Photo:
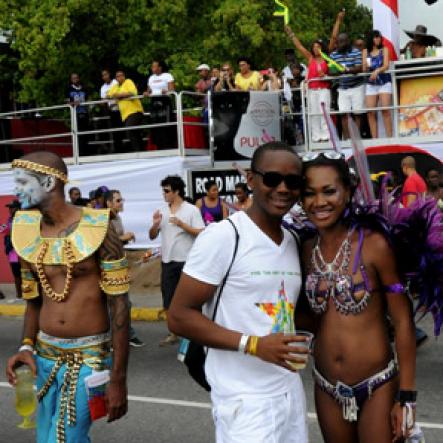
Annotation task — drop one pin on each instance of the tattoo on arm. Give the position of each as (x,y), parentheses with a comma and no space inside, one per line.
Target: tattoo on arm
(119,312)
(112,246)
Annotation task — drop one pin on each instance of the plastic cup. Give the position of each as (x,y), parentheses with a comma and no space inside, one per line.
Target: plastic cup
(305,344)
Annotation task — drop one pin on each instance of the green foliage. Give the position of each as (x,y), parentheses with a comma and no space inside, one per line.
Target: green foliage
(52,38)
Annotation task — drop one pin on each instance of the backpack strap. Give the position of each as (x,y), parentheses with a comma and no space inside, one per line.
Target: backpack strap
(223,283)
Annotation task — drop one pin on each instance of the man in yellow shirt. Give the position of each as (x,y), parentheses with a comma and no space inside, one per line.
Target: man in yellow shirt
(246,79)
(131,109)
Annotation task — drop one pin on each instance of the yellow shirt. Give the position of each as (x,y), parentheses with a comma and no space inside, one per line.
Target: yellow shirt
(126,107)
(245,84)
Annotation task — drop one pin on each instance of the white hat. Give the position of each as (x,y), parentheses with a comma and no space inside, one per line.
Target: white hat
(202,67)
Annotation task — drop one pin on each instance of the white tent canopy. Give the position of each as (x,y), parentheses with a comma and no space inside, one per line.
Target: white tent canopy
(138,181)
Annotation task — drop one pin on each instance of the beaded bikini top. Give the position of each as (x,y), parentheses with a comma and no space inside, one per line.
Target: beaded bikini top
(83,241)
(338,280)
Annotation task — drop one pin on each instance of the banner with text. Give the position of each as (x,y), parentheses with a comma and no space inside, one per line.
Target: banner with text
(242,121)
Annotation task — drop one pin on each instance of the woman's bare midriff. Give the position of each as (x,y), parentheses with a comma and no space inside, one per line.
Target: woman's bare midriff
(84,311)
(351,348)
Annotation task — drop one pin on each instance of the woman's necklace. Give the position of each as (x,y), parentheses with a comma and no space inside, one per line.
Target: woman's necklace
(330,270)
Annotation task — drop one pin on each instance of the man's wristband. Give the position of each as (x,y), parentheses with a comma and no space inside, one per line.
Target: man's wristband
(26,348)
(28,341)
(243,343)
(404,397)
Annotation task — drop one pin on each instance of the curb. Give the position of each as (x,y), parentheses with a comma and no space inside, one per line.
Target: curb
(137,314)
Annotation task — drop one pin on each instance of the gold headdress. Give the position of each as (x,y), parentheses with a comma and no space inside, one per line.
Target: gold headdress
(41,169)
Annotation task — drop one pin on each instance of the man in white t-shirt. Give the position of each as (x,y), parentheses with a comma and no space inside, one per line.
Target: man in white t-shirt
(112,110)
(257,396)
(160,82)
(179,223)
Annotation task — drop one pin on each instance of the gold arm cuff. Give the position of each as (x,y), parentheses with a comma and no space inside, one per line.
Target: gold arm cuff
(29,285)
(115,277)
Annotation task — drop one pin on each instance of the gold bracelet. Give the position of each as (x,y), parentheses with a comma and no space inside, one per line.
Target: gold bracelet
(252,345)
(28,341)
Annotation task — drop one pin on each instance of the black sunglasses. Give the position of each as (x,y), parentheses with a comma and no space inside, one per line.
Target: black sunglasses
(273,179)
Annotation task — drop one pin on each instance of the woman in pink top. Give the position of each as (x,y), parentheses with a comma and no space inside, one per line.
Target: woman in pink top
(318,91)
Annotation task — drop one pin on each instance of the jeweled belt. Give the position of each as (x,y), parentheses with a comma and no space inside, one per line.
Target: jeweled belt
(349,396)
(90,355)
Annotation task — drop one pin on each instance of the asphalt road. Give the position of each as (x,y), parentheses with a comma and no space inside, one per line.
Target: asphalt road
(167,406)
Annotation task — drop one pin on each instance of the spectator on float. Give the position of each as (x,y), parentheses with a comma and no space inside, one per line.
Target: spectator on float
(244,201)
(212,207)
(247,79)
(112,109)
(204,83)
(319,91)
(376,60)
(215,74)
(76,95)
(131,109)
(296,72)
(351,90)
(160,82)
(225,80)
(360,43)
(290,60)
(271,80)
(434,179)
(421,40)
(74,194)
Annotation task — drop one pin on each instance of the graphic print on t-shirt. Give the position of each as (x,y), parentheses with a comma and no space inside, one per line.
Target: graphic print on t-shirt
(281,312)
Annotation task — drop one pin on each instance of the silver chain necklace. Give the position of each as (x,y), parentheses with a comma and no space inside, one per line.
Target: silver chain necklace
(338,265)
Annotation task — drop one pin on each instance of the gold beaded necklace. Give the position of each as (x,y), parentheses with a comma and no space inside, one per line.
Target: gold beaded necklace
(70,259)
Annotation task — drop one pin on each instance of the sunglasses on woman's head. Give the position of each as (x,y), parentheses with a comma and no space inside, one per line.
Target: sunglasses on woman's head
(273,179)
(330,155)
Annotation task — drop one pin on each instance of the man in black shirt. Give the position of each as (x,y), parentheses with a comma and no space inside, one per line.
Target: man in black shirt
(76,94)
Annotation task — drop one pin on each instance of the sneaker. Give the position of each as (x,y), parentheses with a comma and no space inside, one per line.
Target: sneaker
(170,339)
(136,342)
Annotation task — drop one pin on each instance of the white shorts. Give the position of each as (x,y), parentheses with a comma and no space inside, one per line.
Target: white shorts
(379,89)
(251,419)
(352,100)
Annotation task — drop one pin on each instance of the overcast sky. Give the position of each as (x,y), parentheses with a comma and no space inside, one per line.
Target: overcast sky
(420,14)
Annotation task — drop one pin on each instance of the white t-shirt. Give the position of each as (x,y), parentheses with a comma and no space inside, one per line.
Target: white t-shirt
(104,90)
(258,299)
(176,242)
(158,83)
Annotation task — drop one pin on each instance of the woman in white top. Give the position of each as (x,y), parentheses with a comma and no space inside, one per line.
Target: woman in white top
(271,80)
(160,82)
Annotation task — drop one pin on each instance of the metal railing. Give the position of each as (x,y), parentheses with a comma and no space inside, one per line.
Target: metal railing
(182,105)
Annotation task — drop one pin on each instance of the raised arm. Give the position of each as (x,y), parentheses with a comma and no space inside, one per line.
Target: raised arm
(297,43)
(112,257)
(155,228)
(336,30)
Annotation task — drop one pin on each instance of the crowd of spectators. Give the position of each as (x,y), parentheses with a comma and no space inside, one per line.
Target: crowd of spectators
(350,93)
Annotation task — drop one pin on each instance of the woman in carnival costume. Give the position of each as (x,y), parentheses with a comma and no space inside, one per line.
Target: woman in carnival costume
(354,280)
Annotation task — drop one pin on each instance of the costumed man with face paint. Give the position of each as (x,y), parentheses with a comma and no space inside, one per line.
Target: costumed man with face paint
(73,268)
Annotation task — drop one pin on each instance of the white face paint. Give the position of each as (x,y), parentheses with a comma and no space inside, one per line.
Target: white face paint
(31,188)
